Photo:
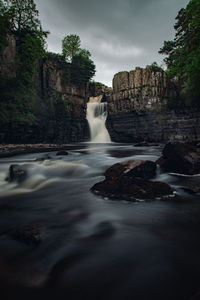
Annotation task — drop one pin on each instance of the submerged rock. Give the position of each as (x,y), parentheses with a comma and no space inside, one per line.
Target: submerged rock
(180,158)
(142,144)
(128,180)
(102,230)
(29,234)
(62,153)
(17,173)
(191,188)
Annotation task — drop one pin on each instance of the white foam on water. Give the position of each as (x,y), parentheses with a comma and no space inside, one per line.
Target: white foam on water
(96,117)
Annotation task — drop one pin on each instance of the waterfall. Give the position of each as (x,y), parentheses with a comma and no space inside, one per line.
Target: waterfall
(96,117)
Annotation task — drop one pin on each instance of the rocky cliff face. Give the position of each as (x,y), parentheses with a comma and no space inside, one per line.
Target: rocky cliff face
(68,122)
(140,90)
(7,58)
(153,126)
(135,112)
(60,107)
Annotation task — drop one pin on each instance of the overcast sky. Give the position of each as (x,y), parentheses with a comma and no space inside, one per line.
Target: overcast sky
(120,34)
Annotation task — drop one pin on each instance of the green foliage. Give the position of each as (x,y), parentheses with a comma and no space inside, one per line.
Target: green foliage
(18,99)
(19,17)
(70,46)
(31,49)
(22,14)
(96,83)
(4,29)
(17,104)
(183,53)
(82,69)
(155,67)
(81,66)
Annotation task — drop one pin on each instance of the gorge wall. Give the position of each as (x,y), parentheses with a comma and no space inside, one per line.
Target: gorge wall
(138,109)
(57,107)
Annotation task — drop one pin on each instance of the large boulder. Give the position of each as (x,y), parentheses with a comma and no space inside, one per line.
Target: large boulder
(180,158)
(129,180)
(138,168)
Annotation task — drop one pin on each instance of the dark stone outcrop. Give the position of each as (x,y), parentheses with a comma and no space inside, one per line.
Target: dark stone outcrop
(17,173)
(180,158)
(155,126)
(98,89)
(127,180)
(31,234)
(62,152)
(132,168)
(142,144)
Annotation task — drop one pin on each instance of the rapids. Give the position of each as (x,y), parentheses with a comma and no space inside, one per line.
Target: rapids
(91,247)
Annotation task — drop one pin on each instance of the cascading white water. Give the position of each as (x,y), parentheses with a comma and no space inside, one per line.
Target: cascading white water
(96,117)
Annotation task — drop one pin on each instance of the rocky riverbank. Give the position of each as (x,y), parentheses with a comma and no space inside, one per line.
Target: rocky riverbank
(9,150)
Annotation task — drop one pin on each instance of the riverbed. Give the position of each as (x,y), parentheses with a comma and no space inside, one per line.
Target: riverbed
(90,247)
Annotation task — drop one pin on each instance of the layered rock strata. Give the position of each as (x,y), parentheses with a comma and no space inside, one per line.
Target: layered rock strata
(141,89)
(153,126)
(137,109)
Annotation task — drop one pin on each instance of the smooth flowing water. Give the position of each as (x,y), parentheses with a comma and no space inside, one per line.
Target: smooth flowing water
(91,247)
(96,116)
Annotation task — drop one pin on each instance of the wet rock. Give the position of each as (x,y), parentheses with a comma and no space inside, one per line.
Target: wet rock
(128,180)
(28,234)
(132,189)
(142,144)
(138,168)
(17,173)
(180,158)
(191,188)
(62,153)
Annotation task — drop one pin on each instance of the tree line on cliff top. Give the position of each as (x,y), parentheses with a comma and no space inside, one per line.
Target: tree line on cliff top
(20,17)
(183,53)
(20,98)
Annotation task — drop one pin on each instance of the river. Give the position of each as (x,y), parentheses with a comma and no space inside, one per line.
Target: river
(92,247)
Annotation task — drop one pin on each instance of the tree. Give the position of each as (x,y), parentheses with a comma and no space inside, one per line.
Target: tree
(155,67)
(70,46)
(20,17)
(183,53)
(82,68)
(4,27)
(81,65)
(22,14)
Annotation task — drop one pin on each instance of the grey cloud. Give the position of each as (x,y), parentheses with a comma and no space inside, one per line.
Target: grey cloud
(120,34)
